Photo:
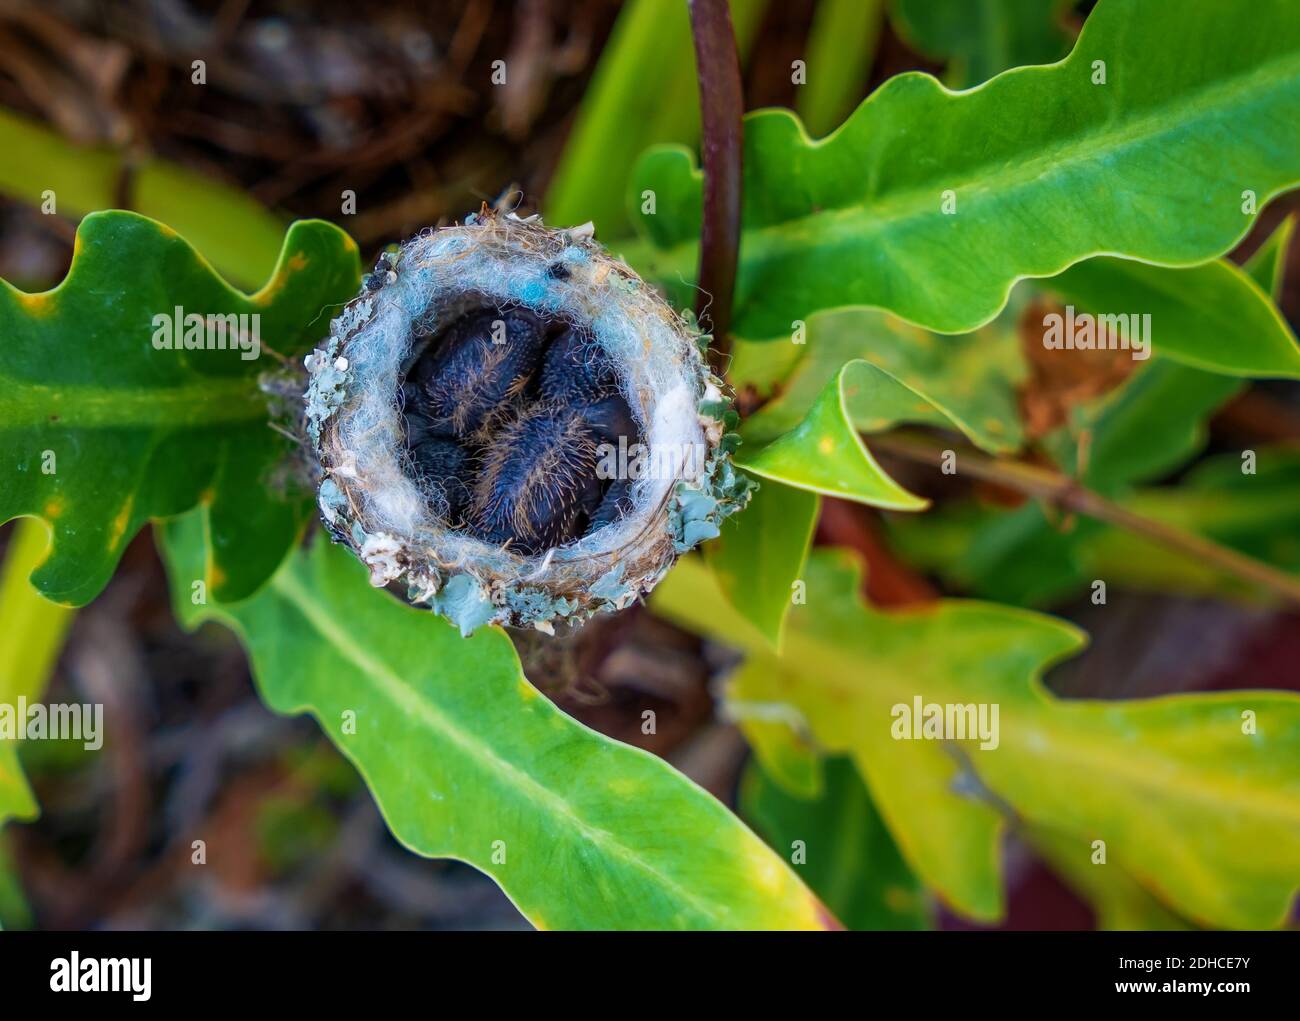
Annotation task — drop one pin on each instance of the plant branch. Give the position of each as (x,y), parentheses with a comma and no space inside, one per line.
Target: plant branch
(1070,495)
(721,105)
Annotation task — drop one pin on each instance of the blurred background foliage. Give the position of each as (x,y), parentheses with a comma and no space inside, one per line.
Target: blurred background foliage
(300,106)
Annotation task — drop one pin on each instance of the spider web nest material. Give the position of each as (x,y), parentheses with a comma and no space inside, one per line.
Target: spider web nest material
(371,501)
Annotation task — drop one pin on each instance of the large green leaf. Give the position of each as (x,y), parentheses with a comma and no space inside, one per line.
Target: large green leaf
(1045,168)
(467,760)
(981,38)
(102,431)
(1202,809)
(759,554)
(840,847)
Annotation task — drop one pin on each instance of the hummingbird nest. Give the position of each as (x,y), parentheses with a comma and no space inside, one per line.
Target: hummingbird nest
(515,425)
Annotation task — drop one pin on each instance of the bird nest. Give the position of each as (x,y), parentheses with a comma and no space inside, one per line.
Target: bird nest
(512,423)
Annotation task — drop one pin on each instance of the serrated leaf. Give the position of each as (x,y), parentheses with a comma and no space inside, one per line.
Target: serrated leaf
(855,371)
(759,554)
(1204,811)
(848,857)
(101,431)
(1045,168)
(1156,420)
(825,454)
(467,760)
(981,38)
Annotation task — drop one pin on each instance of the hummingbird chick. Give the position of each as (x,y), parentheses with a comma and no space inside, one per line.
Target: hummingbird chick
(506,416)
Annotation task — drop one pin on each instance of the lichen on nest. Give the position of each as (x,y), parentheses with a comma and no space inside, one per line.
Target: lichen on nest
(516,426)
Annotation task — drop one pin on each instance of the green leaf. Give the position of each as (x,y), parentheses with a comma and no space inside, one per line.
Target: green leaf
(841,48)
(825,454)
(981,38)
(1213,317)
(849,859)
(1267,266)
(236,234)
(643,92)
(35,627)
(760,553)
(790,759)
(1046,169)
(467,760)
(971,378)
(1118,900)
(1144,429)
(103,431)
(1203,810)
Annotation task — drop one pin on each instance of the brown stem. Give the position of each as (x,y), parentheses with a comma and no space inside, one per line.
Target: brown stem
(721,105)
(1070,495)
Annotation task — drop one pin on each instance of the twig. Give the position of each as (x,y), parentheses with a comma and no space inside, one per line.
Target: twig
(1070,495)
(721,105)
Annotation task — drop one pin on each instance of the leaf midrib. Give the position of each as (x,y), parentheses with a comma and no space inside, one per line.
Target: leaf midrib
(210,401)
(400,693)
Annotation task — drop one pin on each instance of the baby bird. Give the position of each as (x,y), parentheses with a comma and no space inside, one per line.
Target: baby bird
(537,486)
(507,416)
(472,374)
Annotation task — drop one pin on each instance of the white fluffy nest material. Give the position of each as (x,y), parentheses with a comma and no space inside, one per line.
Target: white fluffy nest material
(368,500)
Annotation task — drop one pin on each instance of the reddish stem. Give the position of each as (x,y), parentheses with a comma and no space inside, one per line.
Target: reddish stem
(721,106)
